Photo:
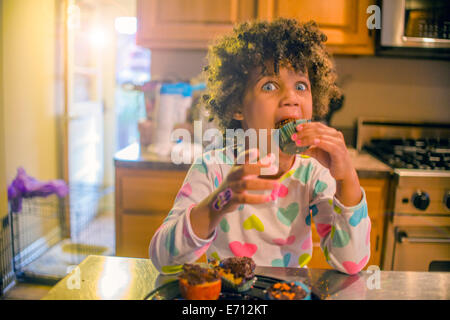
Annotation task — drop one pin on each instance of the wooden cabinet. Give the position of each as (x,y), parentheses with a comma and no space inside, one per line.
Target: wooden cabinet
(192,24)
(376,195)
(343,21)
(188,24)
(143,199)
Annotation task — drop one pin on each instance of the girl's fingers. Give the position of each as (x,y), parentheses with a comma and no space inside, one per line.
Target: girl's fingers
(245,197)
(317,128)
(253,184)
(239,172)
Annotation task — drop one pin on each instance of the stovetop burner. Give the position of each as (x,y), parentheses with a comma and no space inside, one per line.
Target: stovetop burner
(425,154)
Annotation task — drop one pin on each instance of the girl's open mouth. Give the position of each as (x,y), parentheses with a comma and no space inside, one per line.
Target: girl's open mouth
(281,123)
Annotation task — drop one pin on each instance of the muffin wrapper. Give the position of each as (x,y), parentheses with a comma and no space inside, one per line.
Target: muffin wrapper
(286,144)
(231,286)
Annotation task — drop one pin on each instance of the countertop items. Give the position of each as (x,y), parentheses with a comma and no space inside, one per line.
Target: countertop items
(133,157)
(101,277)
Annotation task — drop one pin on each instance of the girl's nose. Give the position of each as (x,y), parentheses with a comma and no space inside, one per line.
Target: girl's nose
(289,98)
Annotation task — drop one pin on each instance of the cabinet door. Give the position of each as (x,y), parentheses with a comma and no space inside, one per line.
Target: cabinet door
(188,24)
(343,21)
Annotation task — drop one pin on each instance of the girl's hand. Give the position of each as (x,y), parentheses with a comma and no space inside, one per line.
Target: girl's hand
(327,145)
(243,178)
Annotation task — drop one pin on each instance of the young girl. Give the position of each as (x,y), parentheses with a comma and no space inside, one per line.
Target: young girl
(260,75)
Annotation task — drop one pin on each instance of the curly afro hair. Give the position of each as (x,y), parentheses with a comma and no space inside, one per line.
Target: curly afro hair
(286,42)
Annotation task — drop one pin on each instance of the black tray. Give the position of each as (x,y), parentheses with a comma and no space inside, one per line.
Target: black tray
(171,291)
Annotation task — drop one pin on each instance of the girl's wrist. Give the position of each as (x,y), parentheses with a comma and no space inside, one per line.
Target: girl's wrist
(348,190)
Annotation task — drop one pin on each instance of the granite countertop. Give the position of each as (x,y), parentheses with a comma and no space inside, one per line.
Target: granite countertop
(102,277)
(134,157)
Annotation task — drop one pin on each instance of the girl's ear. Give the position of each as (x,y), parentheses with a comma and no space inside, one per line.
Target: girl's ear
(238,116)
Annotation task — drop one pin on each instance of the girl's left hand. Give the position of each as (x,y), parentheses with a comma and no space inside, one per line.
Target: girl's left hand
(327,145)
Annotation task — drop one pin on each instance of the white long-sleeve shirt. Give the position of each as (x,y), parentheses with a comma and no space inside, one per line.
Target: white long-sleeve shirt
(277,233)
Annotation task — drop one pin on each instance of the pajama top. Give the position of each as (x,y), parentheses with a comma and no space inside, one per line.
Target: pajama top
(276,233)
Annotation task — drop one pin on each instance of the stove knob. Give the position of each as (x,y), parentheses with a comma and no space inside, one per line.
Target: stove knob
(447,199)
(421,200)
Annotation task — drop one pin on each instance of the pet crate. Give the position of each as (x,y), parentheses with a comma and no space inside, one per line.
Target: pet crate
(49,236)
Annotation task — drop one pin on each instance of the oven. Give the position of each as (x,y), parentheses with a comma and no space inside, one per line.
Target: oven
(417,231)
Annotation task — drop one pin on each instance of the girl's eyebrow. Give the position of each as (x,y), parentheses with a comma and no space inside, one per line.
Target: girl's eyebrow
(274,75)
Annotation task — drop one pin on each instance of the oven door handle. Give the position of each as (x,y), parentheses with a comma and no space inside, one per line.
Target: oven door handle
(402,237)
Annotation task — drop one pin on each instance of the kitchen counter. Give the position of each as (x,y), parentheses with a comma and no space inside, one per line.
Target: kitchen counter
(101,277)
(133,157)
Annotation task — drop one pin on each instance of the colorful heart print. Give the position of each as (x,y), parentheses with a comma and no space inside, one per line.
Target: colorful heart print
(241,207)
(243,249)
(281,192)
(217,179)
(340,238)
(185,190)
(224,225)
(303,173)
(170,242)
(337,209)
(202,250)
(201,167)
(307,243)
(215,256)
(326,254)
(168,216)
(288,215)
(172,269)
(358,215)
(323,229)
(313,211)
(304,259)
(253,222)
(353,268)
(284,242)
(282,262)
(319,187)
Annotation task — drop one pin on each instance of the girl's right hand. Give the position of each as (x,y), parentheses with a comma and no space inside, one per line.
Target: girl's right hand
(241,179)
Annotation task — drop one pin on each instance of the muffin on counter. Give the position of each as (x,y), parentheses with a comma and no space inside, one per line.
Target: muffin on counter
(199,283)
(238,273)
(294,290)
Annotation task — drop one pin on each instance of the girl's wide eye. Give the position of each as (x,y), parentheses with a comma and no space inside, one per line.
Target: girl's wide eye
(300,86)
(269,86)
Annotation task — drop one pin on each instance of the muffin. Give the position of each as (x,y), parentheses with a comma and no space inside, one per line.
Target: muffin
(237,273)
(294,290)
(199,283)
(287,129)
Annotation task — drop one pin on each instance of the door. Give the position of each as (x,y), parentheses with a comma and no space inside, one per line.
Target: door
(422,249)
(84,108)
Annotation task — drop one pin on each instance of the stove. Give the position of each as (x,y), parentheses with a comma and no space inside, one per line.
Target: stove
(418,215)
(425,153)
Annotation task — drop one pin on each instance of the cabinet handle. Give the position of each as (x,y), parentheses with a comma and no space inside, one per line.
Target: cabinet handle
(402,237)
(376,243)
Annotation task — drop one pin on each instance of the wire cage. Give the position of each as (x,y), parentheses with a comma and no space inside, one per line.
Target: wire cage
(7,276)
(51,235)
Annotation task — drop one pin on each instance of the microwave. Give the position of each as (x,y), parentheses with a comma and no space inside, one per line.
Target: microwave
(414,28)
